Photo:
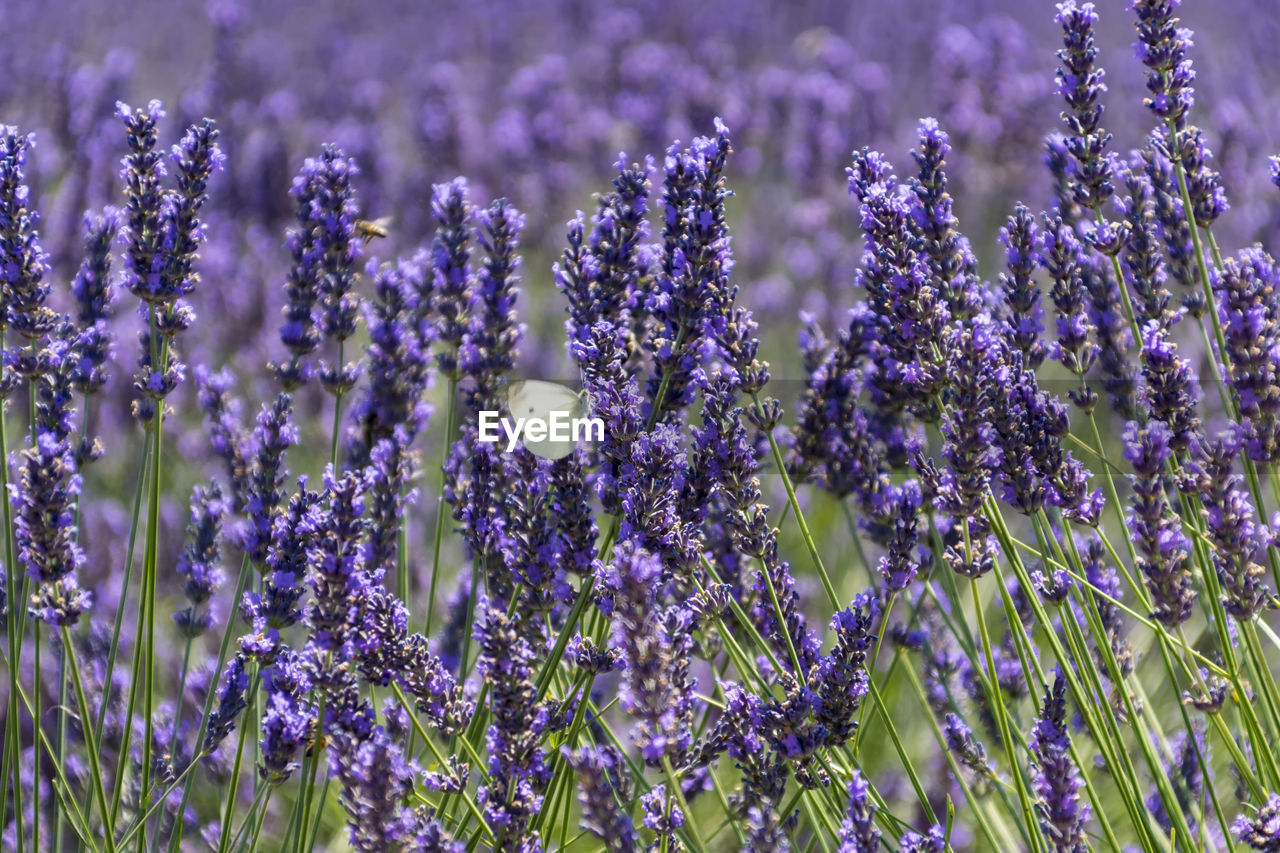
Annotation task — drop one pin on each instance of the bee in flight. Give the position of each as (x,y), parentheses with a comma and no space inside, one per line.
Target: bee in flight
(371,228)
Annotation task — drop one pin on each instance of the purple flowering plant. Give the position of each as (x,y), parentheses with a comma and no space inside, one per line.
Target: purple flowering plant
(988,562)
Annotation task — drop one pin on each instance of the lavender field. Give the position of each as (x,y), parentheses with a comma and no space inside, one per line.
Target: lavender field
(936,353)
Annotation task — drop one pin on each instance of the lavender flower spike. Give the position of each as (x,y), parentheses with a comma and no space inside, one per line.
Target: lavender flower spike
(858,833)
(1157,531)
(1080,84)
(1262,831)
(1057,780)
(200,560)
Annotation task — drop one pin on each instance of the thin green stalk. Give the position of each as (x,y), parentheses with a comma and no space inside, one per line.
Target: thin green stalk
(905,760)
(37,720)
(144,650)
(783,629)
(59,815)
(814,556)
(252,843)
(997,701)
(975,807)
(245,571)
(140,820)
(63,788)
(182,692)
(337,412)
(258,798)
(224,838)
(441,511)
(875,655)
(310,767)
(124,586)
(14,733)
(677,792)
(575,613)
(315,826)
(91,740)
(1120,756)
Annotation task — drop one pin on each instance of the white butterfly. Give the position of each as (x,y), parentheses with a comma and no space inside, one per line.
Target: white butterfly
(533,398)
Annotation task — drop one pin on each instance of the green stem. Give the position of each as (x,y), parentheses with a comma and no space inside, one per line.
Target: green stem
(337,413)
(37,720)
(224,836)
(91,740)
(13,735)
(805,534)
(996,699)
(441,506)
(245,571)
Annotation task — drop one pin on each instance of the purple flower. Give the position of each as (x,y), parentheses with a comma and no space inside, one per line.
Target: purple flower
(44,498)
(835,444)
(1157,531)
(689,299)
(898,566)
(1057,159)
(334,530)
(571,510)
(974,361)
(398,366)
(1185,774)
(287,720)
(385,651)
(228,439)
(650,501)
(1022,318)
(600,272)
(1142,259)
(858,833)
(602,773)
(488,347)
(616,400)
(530,546)
(275,434)
(1113,334)
(950,259)
(324,252)
(1169,390)
(1059,254)
(230,702)
(1057,779)
(1231,526)
(910,313)
(165,233)
(742,733)
(661,814)
(518,773)
(1162,47)
(451,267)
(967,749)
(1173,225)
(200,563)
(327,252)
(1104,588)
(656,688)
(94,297)
(1080,84)
(725,459)
(932,841)
(1262,831)
(377,783)
(23,263)
(1249,309)
(838,682)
